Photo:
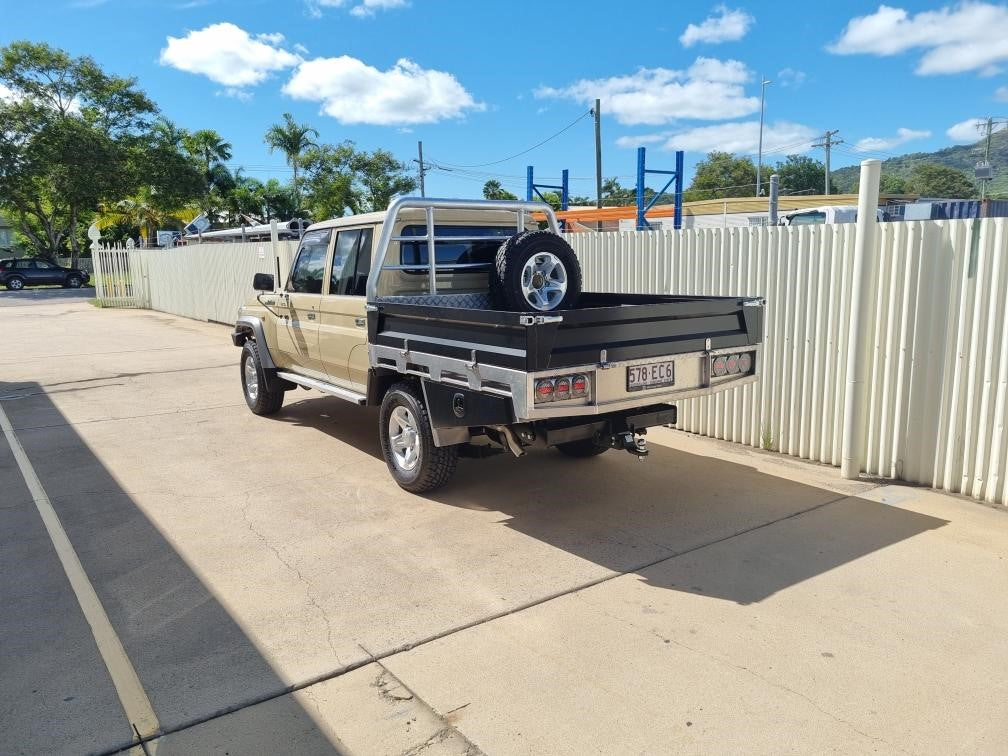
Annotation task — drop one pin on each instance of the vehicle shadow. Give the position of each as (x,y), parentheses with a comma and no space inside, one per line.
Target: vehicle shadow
(192,657)
(627,515)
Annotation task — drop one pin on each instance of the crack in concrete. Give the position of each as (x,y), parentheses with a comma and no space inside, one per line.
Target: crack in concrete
(309,588)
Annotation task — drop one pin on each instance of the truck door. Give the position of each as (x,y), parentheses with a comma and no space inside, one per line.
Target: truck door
(343,325)
(298,327)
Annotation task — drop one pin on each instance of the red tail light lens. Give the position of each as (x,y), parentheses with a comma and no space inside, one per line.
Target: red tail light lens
(579,385)
(720,366)
(745,362)
(544,390)
(731,364)
(562,389)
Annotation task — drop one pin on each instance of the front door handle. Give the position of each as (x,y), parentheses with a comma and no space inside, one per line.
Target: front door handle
(360,322)
(311,316)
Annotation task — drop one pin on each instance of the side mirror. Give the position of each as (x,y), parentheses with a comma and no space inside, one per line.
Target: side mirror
(263,282)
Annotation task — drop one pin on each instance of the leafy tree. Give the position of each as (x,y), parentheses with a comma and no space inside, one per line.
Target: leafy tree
(73,137)
(616,195)
(492,190)
(329,180)
(721,174)
(209,151)
(801,174)
(892,184)
(293,140)
(279,201)
(379,178)
(930,180)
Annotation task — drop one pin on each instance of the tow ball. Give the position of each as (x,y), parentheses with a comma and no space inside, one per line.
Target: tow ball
(636,446)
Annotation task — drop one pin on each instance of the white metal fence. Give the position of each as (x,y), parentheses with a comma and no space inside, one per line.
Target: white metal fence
(939,382)
(202,281)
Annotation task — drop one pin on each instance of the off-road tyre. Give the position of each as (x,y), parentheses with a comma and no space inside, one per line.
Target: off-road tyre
(435,465)
(506,287)
(268,397)
(15,283)
(583,448)
(73,281)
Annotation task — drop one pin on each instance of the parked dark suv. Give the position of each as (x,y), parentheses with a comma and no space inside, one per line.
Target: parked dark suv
(17,273)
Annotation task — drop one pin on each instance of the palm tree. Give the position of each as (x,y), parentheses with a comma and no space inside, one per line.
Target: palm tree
(139,211)
(292,139)
(207,146)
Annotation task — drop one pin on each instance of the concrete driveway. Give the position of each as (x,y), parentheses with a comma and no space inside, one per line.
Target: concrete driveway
(272,591)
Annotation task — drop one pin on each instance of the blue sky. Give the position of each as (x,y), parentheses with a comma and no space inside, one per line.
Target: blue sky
(480,81)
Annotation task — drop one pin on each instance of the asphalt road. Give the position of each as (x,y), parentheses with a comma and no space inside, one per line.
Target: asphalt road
(270,590)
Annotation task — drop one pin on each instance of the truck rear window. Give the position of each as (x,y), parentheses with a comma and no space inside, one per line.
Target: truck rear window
(447,253)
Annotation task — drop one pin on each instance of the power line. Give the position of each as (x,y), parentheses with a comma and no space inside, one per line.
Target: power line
(534,146)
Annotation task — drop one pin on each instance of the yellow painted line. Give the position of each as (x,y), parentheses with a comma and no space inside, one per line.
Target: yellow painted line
(134,698)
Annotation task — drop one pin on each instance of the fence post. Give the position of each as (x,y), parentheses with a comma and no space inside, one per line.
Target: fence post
(863,298)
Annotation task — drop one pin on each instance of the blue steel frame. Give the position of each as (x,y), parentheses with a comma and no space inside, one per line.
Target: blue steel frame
(532,188)
(676,177)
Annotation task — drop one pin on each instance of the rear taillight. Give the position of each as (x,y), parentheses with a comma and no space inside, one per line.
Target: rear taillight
(561,388)
(732,364)
(545,390)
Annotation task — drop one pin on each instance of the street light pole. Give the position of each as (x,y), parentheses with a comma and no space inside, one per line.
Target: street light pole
(759,160)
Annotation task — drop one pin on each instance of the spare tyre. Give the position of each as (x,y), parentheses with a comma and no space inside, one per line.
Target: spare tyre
(537,270)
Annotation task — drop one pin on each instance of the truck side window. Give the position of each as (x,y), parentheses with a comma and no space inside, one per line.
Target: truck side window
(306,277)
(344,261)
(363,263)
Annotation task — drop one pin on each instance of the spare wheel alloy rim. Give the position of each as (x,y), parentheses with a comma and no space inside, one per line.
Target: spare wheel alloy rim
(251,380)
(404,438)
(544,281)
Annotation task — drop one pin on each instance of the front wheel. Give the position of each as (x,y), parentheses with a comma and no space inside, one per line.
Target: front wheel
(15,284)
(262,395)
(407,442)
(73,281)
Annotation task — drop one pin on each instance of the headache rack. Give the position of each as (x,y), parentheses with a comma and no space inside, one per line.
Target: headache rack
(429,206)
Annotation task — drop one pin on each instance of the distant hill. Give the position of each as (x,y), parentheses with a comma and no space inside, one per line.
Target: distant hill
(964,157)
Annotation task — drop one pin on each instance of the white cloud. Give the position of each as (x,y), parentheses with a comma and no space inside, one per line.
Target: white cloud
(353,92)
(362,8)
(736,137)
(8,95)
(971,36)
(228,55)
(789,77)
(1001,94)
(368,7)
(883,144)
(971,130)
(710,89)
(727,26)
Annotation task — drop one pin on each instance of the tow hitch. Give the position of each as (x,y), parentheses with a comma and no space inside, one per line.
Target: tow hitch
(636,446)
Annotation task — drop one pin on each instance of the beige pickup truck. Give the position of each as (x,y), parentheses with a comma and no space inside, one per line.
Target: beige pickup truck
(467,326)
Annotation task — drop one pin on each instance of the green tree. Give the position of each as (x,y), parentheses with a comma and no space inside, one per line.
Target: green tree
(73,137)
(379,178)
(492,190)
(801,174)
(209,151)
(890,183)
(293,139)
(721,174)
(616,195)
(931,180)
(329,180)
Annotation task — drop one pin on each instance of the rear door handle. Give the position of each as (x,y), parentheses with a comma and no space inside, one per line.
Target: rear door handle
(311,316)
(360,322)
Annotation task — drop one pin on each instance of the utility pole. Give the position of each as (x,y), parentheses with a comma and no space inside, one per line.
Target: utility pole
(423,168)
(598,159)
(759,161)
(827,142)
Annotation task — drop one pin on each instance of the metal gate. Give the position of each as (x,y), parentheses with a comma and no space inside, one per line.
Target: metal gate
(119,277)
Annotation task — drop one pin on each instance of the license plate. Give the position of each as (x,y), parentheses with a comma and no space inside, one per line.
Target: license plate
(652,375)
